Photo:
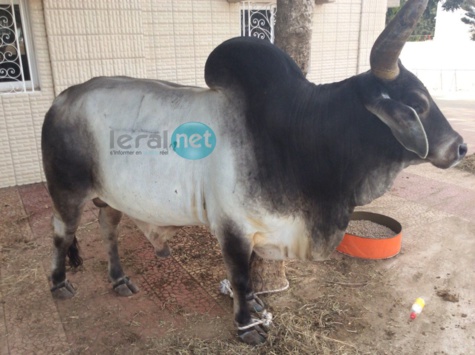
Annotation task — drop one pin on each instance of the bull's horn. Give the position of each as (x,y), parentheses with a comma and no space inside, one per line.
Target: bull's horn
(385,52)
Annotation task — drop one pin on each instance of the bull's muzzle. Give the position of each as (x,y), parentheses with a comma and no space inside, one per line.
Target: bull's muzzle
(450,155)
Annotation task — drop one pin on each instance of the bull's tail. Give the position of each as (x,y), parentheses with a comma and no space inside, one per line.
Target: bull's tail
(75,259)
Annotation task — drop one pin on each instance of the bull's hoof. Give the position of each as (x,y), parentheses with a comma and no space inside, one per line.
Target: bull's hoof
(253,336)
(163,253)
(63,291)
(256,305)
(125,288)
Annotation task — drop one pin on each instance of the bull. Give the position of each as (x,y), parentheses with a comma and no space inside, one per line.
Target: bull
(291,161)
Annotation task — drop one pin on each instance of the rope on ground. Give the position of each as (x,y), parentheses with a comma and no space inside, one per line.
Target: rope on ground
(276,290)
(226,289)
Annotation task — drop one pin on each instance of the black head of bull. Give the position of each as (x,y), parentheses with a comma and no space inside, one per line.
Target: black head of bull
(401,100)
(340,144)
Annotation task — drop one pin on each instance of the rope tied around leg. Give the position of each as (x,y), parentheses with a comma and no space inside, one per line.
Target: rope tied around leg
(266,321)
(266,317)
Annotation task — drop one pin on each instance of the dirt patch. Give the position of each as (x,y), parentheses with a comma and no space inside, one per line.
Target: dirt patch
(467,164)
(306,321)
(448,296)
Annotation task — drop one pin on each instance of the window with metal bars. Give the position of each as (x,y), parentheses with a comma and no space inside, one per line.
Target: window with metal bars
(17,72)
(257,20)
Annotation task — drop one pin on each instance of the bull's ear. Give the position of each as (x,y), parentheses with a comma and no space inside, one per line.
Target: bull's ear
(404,123)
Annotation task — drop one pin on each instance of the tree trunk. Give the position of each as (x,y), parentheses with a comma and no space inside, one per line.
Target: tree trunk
(293,34)
(293,30)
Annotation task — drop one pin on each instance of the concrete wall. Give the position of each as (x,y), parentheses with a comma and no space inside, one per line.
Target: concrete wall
(343,34)
(167,39)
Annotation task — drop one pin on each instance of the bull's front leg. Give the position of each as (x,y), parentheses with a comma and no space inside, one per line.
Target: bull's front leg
(237,252)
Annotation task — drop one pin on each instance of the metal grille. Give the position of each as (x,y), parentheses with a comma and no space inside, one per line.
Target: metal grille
(15,70)
(258,20)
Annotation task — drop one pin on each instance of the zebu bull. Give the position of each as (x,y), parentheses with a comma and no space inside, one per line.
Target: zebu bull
(292,159)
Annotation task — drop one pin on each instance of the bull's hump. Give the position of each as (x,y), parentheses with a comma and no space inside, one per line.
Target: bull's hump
(248,64)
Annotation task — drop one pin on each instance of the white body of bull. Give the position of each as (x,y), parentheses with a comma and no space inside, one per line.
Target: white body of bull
(168,190)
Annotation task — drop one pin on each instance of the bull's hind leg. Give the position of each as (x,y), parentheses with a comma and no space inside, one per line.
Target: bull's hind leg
(237,253)
(65,223)
(109,219)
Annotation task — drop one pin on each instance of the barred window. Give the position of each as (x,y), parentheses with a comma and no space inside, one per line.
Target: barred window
(17,72)
(257,20)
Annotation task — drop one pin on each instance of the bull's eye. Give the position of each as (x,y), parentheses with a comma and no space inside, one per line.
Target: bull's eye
(418,108)
(418,102)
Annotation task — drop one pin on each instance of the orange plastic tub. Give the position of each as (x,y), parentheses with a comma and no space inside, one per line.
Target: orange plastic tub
(371,248)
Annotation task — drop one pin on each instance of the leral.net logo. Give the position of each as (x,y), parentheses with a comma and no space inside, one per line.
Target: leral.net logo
(191,140)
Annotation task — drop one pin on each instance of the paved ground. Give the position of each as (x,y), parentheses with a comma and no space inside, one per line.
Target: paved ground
(179,294)
(462,116)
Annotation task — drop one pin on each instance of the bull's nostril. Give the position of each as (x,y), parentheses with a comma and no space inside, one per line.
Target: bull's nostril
(462,150)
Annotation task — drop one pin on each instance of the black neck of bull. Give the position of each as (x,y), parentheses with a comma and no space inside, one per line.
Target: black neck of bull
(317,147)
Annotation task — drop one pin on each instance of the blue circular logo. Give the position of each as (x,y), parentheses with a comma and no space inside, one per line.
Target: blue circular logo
(193,140)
